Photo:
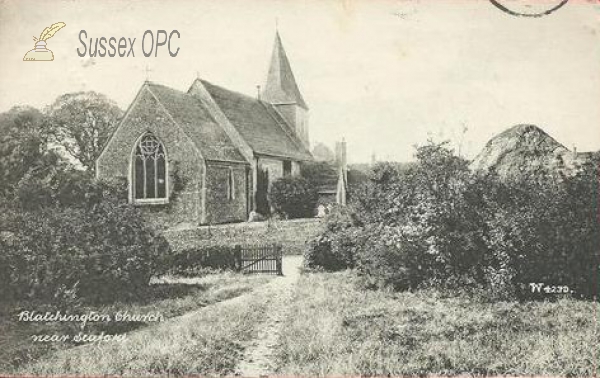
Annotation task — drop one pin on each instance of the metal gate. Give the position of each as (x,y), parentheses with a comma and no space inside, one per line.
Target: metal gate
(265,258)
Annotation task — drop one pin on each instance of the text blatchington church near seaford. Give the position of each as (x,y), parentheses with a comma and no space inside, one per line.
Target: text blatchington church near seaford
(207,155)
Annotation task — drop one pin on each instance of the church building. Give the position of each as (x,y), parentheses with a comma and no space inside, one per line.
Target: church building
(209,155)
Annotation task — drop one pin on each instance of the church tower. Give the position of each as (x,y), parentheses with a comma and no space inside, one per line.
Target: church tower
(282,91)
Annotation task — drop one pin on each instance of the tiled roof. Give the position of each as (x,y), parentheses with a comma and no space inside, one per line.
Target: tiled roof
(189,113)
(259,124)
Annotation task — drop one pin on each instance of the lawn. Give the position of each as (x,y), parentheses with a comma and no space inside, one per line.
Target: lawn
(209,342)
(171,297)
(339,329)
(334,328)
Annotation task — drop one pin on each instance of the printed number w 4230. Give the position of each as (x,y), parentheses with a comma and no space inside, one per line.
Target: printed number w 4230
(548,289)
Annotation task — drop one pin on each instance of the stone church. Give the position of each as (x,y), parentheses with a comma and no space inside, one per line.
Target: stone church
(208,155)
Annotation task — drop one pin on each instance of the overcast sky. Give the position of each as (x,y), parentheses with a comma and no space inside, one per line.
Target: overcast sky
(386,75)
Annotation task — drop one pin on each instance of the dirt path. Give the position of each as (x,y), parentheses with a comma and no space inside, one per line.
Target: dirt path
(257,359)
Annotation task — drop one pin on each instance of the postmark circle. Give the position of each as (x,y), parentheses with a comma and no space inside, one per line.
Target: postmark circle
(529,8)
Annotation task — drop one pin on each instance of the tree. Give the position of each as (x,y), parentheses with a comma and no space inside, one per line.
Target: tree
(23,145)
(82,122)
(323,153)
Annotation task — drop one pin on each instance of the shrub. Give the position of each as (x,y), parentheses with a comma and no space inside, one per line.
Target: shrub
(423,223)
(84,243)
(387,258)
(435,224)
(319,173)
(335,248)
(547,232)
(293,197)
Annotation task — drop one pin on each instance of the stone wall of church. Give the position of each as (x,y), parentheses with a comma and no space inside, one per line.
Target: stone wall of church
(275,168)
(184,209)
(184,163)
(221,207)
(295,168)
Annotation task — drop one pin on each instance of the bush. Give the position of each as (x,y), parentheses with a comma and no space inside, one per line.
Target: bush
(387,258)
(84,243)
(293,197)
(335,248)
(435,224)
(547,232)
(68,188)
(423,223)
(319,173)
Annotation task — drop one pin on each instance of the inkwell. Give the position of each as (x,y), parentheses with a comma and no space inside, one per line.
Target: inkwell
(40,52)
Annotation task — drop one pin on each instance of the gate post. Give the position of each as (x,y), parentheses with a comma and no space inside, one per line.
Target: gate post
(237,255)
(279,254)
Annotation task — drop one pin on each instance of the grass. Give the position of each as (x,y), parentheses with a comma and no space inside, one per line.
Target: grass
(209,341)
(339,329)
(171,297)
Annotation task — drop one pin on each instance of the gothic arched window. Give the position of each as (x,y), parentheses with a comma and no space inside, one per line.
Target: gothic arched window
(149,170)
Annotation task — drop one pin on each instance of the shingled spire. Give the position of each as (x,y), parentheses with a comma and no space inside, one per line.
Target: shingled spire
(282,92)
(281,87)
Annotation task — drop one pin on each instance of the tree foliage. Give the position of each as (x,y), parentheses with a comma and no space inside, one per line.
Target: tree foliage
(82,123)
(78,241)
(335,248)
(322,153)
(23,146)
(436,224)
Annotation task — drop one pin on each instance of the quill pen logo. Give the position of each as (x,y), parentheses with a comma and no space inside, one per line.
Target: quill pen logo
(40,52)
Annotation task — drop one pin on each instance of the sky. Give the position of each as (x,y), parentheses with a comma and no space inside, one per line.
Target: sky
(384,75)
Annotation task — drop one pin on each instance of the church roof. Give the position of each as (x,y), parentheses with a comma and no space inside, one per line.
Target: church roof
(189,113)
(259,124)
(281,87)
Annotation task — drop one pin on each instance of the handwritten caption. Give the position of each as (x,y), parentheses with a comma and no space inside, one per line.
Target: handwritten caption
(84,319)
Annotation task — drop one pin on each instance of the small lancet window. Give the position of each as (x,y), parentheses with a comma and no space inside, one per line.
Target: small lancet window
(230,185)
(150,169)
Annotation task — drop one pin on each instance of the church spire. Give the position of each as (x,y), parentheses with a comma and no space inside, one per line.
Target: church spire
(281,87)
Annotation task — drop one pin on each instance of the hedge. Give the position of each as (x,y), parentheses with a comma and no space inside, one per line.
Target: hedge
(192,260)
(82,243)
